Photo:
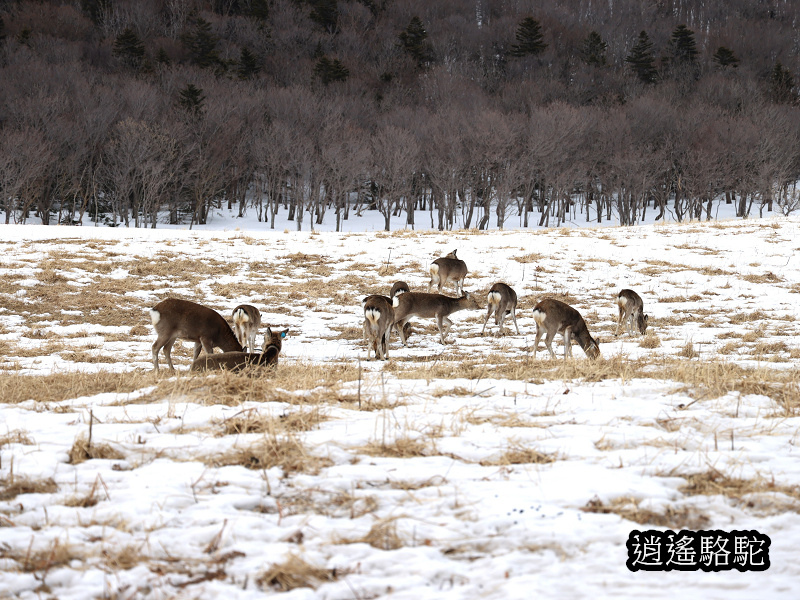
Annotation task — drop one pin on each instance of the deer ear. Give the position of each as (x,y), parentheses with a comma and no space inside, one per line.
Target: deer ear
(283,333)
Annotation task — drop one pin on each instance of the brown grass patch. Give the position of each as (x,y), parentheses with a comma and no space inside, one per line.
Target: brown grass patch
(768,277)
(251,421)
(628,508)
(712,483)
(517,454)
(84,449)
(295,573)
(650,340)
(15,388)
(286,452)
(13,486)
(402,447)
(16,436)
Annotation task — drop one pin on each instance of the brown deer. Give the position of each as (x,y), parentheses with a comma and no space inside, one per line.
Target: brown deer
(246,321)
(631,311)
(399,287)
(502,300)
(173,318)
(378,321)
(551,317)
(427,306)
(236,361)
(448,269)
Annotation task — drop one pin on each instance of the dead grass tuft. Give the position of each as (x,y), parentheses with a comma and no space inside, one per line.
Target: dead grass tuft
(713,483)
(13,486)
(517,454)
(295,573)
(650,340)
(16,388)
(402,447)
(84,449)
(286,452)
(628,508)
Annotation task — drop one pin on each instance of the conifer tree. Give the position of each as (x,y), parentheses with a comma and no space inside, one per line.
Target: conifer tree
(2,30)
(593,50)
(248,64)
(202,45)
(683,50)
(330,71)
(413,39)
(725,57)
(162,58)
(129,48)
(259,10)
(191,98)
(782,84)
(529,38)
(325,13)
(642,61)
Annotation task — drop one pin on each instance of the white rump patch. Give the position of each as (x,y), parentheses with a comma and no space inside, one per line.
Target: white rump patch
(155,316)
(539,316)
(372,314)
(396,301)
(493,297)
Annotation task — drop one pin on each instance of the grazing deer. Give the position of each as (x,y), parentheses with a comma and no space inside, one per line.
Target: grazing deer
(446,269)
(553,317)
(426,306)
(631,311)
(246,321)
(502,300)
(236,361)
(378,321)
(173,318)
(399,287)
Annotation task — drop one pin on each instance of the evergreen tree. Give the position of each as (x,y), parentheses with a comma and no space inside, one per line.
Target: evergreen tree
(413,39)
(642,61)
(129,48)
(325,13)
(2,30)
(94,9)
(724,57)
(782,84)
(683,49)
(24,36)
(191,98)
(259,10)
(593,50)
(162,58)
(248,65)
(330,71)
(202,45)
(529,38)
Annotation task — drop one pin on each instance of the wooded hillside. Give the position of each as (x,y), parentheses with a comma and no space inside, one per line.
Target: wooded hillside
(122,110)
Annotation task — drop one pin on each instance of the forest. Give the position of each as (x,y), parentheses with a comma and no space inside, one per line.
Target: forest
(456,113)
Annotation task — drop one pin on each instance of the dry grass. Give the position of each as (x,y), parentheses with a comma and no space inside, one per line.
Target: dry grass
(13,486)
(252,421)
(629,509)
(401,447)
(295,573)
(84,449)
(284,451)
(16,388)
(712,483)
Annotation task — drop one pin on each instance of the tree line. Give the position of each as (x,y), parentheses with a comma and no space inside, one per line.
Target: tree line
(458,113)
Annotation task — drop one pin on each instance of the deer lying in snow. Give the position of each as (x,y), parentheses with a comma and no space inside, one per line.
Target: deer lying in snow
(448,269)
(173,318)
(378,321)
(236,361)
(631,311)
(502,300)
(553,316)
(246,321)
(427,306)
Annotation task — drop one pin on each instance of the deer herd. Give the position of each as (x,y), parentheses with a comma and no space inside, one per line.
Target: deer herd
(173,319)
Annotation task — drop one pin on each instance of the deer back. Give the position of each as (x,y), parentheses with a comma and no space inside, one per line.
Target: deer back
(424,305)
(193,321)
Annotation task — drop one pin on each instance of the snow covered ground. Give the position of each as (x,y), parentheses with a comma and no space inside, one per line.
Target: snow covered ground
(471,470)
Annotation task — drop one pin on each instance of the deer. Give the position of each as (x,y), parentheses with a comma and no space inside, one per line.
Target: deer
(446,269)
(551,317)
(237,361)
(174,318)
(246,321)
(399,287)
(378,322)
(501,300)
(631,311)
(426,306)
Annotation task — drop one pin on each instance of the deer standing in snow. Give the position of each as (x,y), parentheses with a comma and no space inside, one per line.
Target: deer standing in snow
(236,361)
(427,306)
(378,321)
(631,311)
(448,269)
(246,321)
(551,317)
(174,318)
(502,300)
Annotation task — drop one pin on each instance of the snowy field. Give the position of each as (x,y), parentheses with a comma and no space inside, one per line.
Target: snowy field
(470,470)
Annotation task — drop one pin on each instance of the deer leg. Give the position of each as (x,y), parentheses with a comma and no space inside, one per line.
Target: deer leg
(168,351)
(539,332)
(619,319)
(486,320)
(568,343)
(400,325)
(514,317)
(548,341)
